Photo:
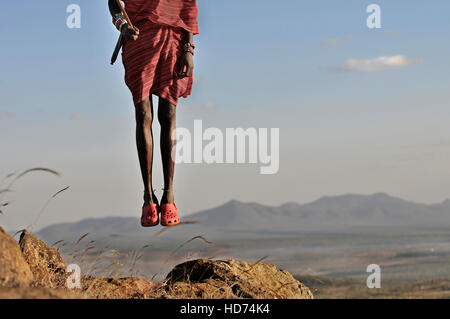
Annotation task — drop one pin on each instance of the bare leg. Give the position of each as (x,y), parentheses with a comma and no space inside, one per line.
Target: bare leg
(167,119)
(144,142)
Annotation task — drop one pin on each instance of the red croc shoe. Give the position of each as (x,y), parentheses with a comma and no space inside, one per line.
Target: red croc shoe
(169,215)
(150,216)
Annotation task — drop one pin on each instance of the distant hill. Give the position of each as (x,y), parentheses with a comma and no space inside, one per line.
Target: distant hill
(327,214)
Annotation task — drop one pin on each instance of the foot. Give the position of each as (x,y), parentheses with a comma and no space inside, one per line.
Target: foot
(168,197)
(150,215)
(150,199)
(169,215)
(150,210)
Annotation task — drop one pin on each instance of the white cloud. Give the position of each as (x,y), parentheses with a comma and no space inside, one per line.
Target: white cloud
(381,63)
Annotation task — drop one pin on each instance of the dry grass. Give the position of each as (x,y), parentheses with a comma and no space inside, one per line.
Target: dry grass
(120,271)
(31,227)
(14,177)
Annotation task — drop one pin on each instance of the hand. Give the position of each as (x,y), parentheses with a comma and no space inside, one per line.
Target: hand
(130,32)
(187,65)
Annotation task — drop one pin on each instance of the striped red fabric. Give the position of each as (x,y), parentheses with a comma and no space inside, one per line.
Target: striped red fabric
(151,62)
(175,13)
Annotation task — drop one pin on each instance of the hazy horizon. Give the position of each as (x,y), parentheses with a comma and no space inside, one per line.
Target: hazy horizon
(225,203)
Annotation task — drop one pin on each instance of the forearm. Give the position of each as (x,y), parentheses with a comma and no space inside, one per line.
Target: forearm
(188,37)
(113,7)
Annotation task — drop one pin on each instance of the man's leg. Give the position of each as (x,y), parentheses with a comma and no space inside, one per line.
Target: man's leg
(144,142)
(167,119)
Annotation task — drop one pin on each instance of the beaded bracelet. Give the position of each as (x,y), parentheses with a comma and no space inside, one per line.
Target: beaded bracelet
(122,24)
(116,17)
(119,21)
(189,47)
(189,50)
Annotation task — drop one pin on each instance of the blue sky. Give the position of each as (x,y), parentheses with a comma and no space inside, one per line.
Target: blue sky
(259,63)
(245,48)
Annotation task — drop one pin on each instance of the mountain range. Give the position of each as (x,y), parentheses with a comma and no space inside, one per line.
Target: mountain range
(336,214)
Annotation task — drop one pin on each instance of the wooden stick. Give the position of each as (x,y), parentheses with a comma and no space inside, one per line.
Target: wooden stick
(120,40)
(119,3)
(117,49)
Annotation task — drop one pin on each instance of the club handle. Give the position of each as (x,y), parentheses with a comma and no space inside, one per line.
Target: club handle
(117,50)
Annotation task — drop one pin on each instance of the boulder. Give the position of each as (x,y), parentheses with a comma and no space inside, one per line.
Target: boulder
(14,270)
(45,262)
(204,278)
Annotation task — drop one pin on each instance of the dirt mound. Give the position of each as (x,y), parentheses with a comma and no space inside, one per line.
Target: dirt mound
(121,288)
(45,262)
(234,278)
(14,270)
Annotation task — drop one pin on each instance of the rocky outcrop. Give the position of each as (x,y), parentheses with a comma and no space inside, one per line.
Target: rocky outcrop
(32,269)
(14,270)
(205,278)
(45,262)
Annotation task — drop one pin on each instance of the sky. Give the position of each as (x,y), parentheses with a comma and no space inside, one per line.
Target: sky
(359,110)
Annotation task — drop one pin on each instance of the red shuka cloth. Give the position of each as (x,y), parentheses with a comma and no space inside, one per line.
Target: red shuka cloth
(174,13)
(151,63)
